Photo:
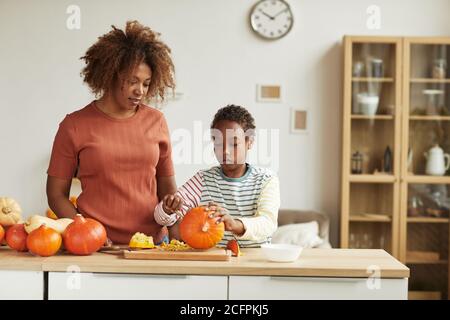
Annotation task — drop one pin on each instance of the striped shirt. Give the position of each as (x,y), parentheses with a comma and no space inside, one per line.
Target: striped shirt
(253,198)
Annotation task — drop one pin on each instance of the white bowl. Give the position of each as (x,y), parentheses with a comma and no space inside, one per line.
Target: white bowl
(368,104)
(281,252)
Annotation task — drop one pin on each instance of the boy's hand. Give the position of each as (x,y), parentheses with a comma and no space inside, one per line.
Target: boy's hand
(234,225)
(172,203)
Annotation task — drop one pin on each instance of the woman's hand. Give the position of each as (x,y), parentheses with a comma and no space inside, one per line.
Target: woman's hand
(234,225)
(172,203)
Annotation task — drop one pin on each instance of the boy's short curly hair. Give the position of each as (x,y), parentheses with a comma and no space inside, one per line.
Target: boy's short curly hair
(234,113)
(118,52)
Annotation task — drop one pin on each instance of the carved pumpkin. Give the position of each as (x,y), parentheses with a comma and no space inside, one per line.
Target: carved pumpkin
(200,231)
(84,236)
(233,246)
(10,212)
(44,241)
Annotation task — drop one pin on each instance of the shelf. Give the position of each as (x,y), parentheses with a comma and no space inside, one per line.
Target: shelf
(429,80)
(369,217)
(424,295)
(413,261)
(375,117)
(427,220)
(373,79)
(424,257)
(429,118)
(423,179)
(372,178)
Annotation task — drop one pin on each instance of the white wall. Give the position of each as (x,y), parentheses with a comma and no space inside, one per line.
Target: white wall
(218,61)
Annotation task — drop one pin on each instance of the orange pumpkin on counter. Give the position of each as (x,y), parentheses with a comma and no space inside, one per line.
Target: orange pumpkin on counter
(74,201)
(16,237)
(84,236)
(52,215)
(2,234)
(44,241)
(200,231)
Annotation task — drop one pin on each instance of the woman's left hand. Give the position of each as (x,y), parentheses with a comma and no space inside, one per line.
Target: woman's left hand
(234,225)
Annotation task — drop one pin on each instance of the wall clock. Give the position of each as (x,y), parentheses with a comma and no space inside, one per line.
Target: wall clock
(271,19)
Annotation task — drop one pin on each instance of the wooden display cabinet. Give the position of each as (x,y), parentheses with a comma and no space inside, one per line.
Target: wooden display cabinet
(403,210)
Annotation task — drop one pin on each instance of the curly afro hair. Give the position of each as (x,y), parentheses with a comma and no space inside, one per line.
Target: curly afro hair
(234,113)
(118,52)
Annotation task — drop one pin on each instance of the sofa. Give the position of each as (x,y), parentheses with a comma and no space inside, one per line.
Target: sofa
(299,222)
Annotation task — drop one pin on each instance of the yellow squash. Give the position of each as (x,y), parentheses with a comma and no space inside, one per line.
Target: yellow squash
(141,241)
(36,221)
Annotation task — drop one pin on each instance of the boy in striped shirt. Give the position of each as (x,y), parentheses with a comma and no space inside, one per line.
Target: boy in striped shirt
(246,198)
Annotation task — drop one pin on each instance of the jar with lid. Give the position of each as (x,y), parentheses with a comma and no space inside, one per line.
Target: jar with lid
(357,161)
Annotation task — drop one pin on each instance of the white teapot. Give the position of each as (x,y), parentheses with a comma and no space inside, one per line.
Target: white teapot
(437,162)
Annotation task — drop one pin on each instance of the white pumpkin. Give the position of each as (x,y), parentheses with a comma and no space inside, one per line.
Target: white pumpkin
(10,212)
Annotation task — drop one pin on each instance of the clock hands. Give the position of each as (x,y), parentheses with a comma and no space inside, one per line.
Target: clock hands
(273,17)
(280,13)
(267,15)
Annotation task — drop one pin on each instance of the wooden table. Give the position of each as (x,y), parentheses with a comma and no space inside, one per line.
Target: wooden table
(317,274)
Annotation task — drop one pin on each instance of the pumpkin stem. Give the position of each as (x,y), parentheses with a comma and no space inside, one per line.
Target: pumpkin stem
(205,227)
(6,210)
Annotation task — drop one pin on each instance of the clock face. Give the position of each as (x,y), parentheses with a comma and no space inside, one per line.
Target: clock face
(271,19)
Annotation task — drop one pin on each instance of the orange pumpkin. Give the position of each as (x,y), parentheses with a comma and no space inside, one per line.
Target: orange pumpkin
(2,233)
(73,200)
(233,245)
(50,214)
(3,241)
(16,237)
(44,241)
(84,236)
(200,231)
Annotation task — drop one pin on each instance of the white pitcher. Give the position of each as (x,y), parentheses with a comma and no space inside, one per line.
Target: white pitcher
(437,162)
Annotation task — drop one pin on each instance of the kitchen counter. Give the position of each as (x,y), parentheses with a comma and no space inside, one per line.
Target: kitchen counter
(317,274)
(312,263)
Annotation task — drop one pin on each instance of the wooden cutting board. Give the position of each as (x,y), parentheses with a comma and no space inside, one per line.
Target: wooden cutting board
(214,254)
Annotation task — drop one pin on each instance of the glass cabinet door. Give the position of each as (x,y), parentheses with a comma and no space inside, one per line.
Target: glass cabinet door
(373,109)
(426,167)
(427,242)
(429,110)
(372,144)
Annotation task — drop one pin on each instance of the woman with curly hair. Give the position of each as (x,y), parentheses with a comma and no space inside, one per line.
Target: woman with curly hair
(117,146)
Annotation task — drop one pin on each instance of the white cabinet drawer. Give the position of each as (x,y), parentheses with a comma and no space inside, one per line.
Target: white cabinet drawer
(110,286)
(285,288)
(21,285)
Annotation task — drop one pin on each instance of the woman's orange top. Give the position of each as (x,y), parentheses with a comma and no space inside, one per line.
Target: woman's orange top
(117,162)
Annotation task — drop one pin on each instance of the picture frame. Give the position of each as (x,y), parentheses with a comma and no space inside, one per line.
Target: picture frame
(269,93)
(299,121)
